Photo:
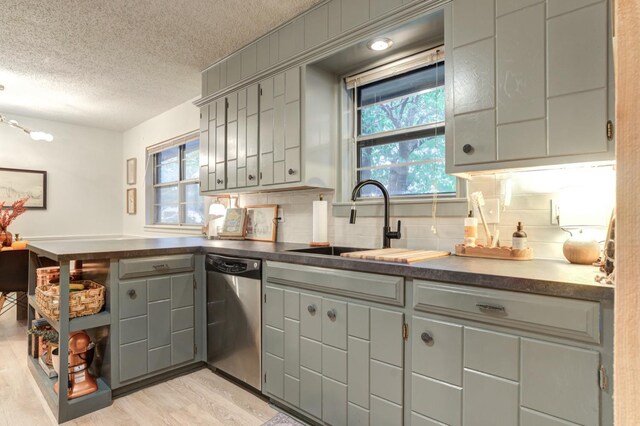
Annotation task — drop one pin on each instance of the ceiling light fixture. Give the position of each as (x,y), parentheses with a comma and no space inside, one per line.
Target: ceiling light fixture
(36,136)
(380,44)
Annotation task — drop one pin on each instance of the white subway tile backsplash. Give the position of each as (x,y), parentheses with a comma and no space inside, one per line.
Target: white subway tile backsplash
(532,193)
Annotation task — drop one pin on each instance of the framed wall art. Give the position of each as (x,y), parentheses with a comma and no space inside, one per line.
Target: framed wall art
(20,183)
(262,222)
(131,201)
(235,222)
(131,171)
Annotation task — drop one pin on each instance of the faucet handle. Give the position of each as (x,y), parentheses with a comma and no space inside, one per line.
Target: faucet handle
(395,235)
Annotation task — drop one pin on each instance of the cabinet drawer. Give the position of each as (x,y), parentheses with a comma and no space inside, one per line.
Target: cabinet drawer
(575,319)
(130,268)
(360,285)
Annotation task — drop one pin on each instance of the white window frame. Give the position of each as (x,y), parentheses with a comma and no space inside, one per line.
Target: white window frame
(151,185)
(451,205)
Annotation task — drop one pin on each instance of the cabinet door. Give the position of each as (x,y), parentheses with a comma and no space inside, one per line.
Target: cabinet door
(561,381)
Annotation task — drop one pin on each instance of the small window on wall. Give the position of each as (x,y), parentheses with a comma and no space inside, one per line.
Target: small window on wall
(400,122)
(176,188)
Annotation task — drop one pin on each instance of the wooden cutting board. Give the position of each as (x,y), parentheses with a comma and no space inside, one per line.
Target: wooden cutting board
(398,255)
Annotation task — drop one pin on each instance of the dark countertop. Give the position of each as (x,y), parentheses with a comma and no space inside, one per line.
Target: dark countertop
(539,276)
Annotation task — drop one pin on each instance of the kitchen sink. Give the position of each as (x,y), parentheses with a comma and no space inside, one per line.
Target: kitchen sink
(327,251)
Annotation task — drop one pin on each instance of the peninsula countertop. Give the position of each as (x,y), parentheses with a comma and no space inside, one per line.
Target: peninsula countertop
(538,276)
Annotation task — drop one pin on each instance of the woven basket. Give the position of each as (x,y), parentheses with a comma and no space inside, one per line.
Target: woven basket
(81,303)
(51,275)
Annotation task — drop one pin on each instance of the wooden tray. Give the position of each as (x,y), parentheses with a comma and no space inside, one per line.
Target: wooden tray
(505,253)
(397,255)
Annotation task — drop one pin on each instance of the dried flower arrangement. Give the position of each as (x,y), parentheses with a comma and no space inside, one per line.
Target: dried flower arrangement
(7,216)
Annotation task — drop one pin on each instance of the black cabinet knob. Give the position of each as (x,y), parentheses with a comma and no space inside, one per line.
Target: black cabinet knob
(291,172)
(467,149)
(427,338)
(332,314)
(251,177)
(311,309)
(219,181)
(132,294)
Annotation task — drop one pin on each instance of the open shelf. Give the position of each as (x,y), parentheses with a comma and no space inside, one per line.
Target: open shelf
(80,323)
(73,407)
(44,383)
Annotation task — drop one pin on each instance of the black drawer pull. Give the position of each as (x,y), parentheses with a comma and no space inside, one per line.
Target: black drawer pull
(491,309)
(219,181)
(251,177)
(467,149)
(332,314)
(291,172)
(427,338)
(132,294)
(311,309)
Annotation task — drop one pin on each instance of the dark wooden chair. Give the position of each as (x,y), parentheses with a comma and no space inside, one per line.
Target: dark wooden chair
(14,280)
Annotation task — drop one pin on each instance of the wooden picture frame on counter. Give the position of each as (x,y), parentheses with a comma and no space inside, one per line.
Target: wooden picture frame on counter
(131,171)
(235,223)
(19,183)
(131,201)
(262,222)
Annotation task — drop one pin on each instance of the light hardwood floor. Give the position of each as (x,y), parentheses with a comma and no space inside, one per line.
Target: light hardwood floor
(199,398)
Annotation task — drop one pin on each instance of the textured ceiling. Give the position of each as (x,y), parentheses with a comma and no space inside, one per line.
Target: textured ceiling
(113,64)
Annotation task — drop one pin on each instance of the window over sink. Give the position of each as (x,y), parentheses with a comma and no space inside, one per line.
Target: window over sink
(175,188)
(399,129)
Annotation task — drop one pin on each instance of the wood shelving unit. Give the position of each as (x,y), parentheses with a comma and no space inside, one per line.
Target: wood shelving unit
(67,409)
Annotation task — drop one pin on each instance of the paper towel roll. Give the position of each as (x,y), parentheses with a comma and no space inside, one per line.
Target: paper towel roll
(319,222)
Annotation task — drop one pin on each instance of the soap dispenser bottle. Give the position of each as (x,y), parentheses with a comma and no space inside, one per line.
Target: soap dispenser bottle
(519,241)
(470,230)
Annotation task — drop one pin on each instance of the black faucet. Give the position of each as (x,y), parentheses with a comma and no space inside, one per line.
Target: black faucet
(387,234)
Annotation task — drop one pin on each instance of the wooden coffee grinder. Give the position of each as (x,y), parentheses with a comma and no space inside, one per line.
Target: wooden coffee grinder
(81,350)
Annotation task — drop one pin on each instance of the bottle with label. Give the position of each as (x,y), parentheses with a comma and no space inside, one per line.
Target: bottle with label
(519,241)
(470,230)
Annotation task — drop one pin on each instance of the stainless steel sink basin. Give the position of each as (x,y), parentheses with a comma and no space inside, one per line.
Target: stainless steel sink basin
(326,251)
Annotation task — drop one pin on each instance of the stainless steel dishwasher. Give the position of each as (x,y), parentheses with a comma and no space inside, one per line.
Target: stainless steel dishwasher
(234,344)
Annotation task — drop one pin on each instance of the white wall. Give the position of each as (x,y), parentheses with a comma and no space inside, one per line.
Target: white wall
(84,178)
(177,121)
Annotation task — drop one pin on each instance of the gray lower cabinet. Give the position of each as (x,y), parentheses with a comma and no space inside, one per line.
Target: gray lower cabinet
(337,361)
(156,324)
(470,375)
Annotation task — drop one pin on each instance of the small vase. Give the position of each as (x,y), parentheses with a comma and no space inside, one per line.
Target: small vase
(6,238)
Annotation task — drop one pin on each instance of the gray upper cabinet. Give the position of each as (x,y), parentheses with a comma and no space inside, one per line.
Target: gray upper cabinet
(528,84)
(280,128)
(324,23)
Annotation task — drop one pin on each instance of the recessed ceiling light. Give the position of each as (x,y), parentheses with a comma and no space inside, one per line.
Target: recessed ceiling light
(380,44)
